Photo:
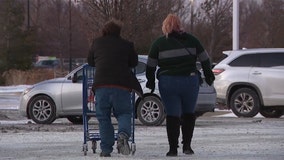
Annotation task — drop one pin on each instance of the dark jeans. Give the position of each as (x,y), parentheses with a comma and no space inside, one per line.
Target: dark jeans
(179,94)
(118,101)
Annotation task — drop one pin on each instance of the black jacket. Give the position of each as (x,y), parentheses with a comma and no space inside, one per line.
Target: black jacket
(113,58)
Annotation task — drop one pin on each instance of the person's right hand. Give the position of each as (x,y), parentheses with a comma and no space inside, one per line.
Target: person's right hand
(151,86)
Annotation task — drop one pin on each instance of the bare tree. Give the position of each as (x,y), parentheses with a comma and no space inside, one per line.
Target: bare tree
(272,23)
(16,43)
(51,20)
(261,23)
(214,26)
(142,18)
(249,26)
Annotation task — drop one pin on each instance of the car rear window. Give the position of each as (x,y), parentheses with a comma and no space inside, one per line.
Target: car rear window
(272,60)
(259,60)
(245,61)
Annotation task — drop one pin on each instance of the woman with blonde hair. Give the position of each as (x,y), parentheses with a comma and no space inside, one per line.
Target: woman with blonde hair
(176,53)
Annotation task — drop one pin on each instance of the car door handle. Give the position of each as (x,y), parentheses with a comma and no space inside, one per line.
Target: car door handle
(256,73)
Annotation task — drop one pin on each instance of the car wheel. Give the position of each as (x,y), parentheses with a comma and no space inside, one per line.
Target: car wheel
(77,119)
(271,113)
(42,110)
(150,111)
(245,103)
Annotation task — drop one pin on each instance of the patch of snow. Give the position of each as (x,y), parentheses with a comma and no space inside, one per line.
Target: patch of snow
(233,115)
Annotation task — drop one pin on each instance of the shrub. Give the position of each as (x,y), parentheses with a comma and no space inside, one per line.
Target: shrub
(32,76)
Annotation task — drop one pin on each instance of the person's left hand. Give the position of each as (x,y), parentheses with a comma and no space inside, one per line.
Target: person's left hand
(209,80)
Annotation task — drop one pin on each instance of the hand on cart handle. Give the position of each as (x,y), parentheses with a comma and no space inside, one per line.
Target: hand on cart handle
(151,86)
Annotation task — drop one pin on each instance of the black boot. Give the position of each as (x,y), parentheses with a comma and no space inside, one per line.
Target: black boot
(187,128)
(173,130)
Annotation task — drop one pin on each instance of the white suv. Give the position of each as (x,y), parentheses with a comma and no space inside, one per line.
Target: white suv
(251,81)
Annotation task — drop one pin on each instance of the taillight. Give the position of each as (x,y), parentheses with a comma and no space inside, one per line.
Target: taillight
(218,71)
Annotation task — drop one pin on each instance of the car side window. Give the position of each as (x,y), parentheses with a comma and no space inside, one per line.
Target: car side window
(272,59)
(245,61)
(90,74)
(140,68)
(79,75)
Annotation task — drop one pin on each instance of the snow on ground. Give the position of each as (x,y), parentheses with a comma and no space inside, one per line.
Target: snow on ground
(214,139)
(217,137)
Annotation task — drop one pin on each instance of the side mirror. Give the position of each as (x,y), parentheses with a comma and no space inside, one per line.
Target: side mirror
(75,78)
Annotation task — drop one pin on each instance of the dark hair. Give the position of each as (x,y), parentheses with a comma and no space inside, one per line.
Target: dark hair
(112,27)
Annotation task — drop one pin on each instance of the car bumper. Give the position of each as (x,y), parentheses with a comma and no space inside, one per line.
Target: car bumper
(221,101)
(206,102)
(23,105)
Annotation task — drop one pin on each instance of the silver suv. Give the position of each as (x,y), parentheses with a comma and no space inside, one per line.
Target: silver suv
(251,81)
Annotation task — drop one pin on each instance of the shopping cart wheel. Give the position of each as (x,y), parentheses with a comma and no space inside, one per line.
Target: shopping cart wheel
(133,148)
(94,146)
(85,149)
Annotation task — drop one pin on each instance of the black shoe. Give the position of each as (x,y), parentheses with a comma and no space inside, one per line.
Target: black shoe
(104,154)
(122,144)
(188,150)
(172,153)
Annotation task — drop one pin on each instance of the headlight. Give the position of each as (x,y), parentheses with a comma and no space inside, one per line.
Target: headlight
(27,90)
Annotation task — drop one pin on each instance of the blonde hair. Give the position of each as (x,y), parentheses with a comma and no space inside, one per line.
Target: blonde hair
(171,23)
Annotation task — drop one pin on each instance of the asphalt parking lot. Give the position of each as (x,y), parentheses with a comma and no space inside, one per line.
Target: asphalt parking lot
(216,137)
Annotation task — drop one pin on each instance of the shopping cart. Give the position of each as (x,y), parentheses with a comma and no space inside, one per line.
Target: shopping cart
(91,131)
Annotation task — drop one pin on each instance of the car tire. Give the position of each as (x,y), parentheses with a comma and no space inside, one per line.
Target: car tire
(244,102)
(77,119)
(42,110)
(150,111)
(271,113)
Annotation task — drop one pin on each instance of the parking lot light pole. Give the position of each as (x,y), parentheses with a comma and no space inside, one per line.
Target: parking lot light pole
(235,24)
(70,37)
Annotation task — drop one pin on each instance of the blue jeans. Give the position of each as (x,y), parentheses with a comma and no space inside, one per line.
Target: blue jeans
(114,100)
(179,94)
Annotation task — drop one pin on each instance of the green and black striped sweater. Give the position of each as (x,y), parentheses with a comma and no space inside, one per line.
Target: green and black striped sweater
(176,55)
